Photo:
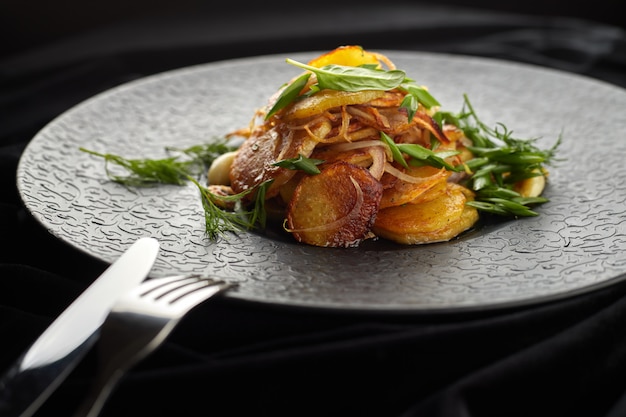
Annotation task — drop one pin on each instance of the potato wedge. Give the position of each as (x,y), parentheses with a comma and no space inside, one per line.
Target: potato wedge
(437,220)
(335,208)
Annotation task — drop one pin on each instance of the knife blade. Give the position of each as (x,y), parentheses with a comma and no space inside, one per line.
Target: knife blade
(48,361)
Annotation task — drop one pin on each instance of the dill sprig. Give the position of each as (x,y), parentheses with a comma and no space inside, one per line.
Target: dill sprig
(218,220)
(174,171)
(204,153)
(145,172)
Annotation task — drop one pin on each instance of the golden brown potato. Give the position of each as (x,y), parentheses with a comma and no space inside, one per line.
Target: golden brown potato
(253,163)
(360,156)
(437,220)
(326,100)
(531,187)
(403,191)
(335,208)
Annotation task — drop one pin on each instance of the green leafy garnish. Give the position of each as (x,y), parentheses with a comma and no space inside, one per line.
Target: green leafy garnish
(416,95)
(289,94)
(218,221)
(423,156)
(500,161)
(347,78)
(205,153)
(174,171)
(142,172)
(302,163)
(395,151)
(418,154)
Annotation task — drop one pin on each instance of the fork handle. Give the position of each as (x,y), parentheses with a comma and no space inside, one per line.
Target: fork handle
(117,354)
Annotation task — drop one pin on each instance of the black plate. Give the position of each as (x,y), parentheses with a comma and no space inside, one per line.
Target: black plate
(576,244)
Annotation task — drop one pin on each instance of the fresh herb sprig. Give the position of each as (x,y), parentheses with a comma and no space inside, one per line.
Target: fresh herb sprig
(218,220)
(418,154)
(301,163)
(174,171)
(416,95)
(145,172)
(500,161)
(205,153)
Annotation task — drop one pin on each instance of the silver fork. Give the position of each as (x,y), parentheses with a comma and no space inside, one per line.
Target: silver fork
(138,323)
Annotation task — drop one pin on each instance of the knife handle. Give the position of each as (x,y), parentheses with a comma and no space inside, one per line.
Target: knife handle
(23,391)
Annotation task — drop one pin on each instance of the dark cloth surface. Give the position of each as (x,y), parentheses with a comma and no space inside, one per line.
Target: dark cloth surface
(562,358)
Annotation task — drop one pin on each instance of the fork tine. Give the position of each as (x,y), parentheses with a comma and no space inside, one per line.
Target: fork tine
(177,294)
(169,285)
(190,297)
(156,283)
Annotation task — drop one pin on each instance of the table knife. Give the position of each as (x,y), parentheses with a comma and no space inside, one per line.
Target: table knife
(47,362)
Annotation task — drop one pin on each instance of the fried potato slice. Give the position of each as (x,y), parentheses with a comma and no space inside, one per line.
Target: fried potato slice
(335,208)
(436,220)
(359,156)
(403,192)
(253,163)
(326,100)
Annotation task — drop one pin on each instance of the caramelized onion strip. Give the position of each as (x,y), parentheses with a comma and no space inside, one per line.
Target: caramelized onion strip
(379,160)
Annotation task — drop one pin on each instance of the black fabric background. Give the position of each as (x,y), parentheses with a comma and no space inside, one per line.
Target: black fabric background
(564,358)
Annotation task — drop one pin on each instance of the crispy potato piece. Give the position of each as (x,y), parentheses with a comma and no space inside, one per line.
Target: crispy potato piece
(437,220)
(220,190)
(359,156)
(288,188)
(335,208)
(404,192)
(326,100)
(253,163)
(434,192)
